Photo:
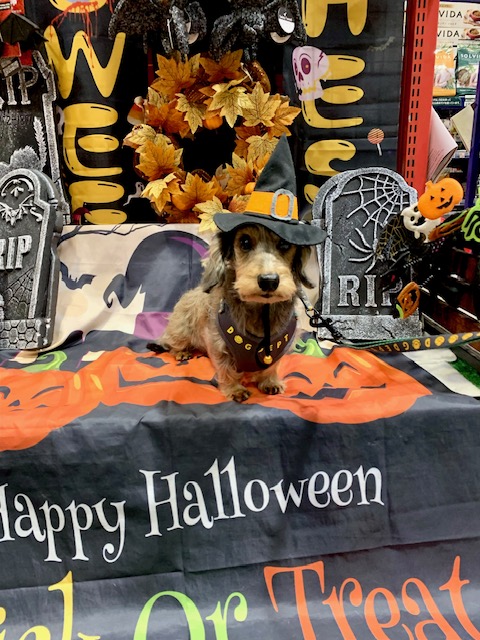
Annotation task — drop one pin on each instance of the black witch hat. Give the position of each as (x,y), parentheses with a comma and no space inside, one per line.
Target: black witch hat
(273,203)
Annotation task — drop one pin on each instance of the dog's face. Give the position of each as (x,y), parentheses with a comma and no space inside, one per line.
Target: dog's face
(258,264)
(263,265)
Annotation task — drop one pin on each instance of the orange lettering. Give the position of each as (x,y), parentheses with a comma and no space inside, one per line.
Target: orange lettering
(437,619)
(454,585)
(371,617)
(299,587)
(336,605)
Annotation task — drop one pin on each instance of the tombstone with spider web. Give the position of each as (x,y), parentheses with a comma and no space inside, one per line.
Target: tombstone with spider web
(355,207)
(30,226)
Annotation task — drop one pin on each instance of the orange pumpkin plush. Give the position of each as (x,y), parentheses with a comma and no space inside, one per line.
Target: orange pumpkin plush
(440,198)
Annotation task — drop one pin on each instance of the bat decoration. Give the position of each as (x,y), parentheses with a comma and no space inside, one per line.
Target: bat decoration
(251,20)
(74,283)
(16,29)
(172,25)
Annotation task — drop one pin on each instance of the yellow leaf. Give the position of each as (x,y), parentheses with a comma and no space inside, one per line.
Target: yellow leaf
(238,204)
(230,99)
(175,74)
(194,111)
(228,68)
(158,160)
(261,108)
(195,190)
(241,148)
(260,146)
(283,118)
(139,135)
(207,211)
(240,174)
(159,191)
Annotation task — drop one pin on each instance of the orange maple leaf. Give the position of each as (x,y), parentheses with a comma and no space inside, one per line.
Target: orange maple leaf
(241,172)
(228,68)
(155,108)
(238,204)
(158,160)
(174,74)
(243,133)
(195,190)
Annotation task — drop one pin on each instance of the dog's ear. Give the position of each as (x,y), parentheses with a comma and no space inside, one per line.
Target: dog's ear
(214,265)
(300,260)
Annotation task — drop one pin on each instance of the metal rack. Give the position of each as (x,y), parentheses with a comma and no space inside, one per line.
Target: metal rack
(459,312)
(421,24)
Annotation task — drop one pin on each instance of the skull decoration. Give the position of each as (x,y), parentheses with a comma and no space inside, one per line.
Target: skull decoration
(310,65)
(414,221)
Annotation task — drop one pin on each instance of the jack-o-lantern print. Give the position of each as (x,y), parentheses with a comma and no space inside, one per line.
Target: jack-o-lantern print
(440,198)
(347,386)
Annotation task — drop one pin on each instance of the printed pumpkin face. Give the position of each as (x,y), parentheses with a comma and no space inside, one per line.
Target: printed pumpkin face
(408,300)
(440,198)
(347,386)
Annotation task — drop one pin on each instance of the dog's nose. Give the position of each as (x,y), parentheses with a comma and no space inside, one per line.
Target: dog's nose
(268,281)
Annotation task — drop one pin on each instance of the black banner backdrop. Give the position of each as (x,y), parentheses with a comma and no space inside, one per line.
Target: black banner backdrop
(97,82)
(347,80)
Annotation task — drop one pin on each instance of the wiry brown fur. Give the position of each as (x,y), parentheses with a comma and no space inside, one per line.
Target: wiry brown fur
(231,274)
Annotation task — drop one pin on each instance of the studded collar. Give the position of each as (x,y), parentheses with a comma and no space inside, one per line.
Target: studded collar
(251,353)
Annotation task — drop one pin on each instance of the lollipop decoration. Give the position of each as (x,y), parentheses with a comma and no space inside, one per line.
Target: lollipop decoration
(376,136)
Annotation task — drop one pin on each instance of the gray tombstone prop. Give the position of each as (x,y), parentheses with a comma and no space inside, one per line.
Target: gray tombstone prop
(27,122)
(30,225)
(354,207)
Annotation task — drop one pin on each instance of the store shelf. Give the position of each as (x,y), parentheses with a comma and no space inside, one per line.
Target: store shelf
(417,82)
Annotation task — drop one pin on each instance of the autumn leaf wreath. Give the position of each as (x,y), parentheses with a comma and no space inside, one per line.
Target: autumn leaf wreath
(188,99)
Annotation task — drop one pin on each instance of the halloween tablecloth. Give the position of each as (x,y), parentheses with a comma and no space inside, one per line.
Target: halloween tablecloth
(136,502)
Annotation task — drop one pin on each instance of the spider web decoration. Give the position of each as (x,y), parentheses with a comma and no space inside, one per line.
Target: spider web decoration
(355,207)
(20,292)
(380,199)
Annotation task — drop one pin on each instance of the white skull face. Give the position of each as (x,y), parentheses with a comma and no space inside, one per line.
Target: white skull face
(310,65)
(414,221)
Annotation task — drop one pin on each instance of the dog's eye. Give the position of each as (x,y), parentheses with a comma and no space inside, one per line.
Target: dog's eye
(283,246)
(246,243)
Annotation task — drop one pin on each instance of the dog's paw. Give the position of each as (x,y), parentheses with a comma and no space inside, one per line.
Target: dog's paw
(271,387)
(155,347)
(183,356)
(238,394)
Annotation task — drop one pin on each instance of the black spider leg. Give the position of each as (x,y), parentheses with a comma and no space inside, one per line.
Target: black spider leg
(176,37)
(299,32)
(224,35)
(135,17)
(253,29)
(198,19)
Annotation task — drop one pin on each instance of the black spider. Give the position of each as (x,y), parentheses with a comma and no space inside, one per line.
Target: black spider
(174,24)
(251,20)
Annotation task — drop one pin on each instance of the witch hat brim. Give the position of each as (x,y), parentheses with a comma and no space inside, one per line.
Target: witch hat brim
(273,203)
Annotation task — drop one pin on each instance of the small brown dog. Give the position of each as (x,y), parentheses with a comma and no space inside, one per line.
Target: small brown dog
(242,315)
